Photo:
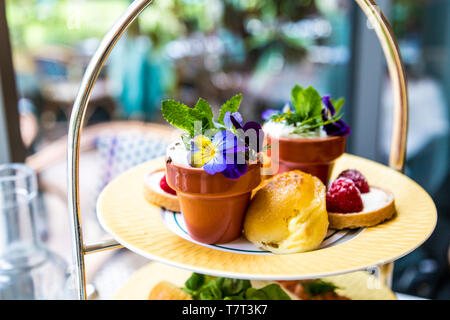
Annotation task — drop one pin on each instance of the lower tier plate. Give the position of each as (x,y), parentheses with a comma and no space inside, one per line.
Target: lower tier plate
(356,285)
(132,221)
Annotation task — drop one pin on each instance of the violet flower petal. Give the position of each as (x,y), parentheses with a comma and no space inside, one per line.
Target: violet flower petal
(269,113)
(232,120)
(235,171)
(329,110)
(252,125)
(225,141)
(216,165)
(338,128)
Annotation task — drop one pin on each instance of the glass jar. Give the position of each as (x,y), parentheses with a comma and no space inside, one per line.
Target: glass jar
(28,270)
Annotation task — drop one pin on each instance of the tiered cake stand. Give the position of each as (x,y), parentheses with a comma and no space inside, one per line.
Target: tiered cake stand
(137,225)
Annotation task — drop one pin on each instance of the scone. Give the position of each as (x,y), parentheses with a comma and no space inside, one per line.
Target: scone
(288,214)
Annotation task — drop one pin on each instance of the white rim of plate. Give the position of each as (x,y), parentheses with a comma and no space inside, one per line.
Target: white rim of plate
(174,222)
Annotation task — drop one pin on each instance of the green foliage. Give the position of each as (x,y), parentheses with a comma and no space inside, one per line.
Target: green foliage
(231,105)
(307,113)
(184,117)
(203,287)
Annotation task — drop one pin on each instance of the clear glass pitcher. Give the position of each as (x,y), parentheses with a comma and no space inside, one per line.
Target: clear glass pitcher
(28,270)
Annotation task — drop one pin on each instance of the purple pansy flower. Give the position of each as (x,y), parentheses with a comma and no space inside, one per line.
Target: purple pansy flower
(337,128)
(212,154)
(269,113)
(235,120)
(235,170)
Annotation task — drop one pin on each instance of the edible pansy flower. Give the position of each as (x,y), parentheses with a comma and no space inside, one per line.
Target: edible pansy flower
(232,120)
(211,155)
(235,120)
(336,128)
(235,170)
(267,114)
(328,111)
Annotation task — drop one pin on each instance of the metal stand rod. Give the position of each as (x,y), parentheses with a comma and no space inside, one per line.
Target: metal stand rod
(102,246)
(75,126)
(398,147)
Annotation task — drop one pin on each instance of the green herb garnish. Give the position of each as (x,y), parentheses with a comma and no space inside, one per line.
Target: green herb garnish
(184,117)
(203,287)
(307,114)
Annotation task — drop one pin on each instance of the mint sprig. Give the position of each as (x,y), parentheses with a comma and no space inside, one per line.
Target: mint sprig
(307,114)
(306,102)
(231,105)
(181,116)
(203,287)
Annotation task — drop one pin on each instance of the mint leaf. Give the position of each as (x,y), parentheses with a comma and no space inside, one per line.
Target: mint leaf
(202,112)
(296,98)
(183,117)
(231,105)
(274,292)
(195,281)
(177,114)
(233,287)
(307,102)
(312,102)
(255,294)
(186,138)
(337,104)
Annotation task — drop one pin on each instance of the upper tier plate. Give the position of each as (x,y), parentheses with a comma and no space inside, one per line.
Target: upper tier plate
(137,225)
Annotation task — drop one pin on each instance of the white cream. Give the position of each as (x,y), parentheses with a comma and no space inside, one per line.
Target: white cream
(374,199)
(281,129)
(177,152)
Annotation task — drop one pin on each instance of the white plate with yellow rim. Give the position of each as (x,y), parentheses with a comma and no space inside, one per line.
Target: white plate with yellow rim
(123,211)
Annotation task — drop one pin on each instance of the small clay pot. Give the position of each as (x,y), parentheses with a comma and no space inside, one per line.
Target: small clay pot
(312,155)
(213,206)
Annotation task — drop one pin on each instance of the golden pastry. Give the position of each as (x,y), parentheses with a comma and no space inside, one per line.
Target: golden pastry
(165,290)
(288,214)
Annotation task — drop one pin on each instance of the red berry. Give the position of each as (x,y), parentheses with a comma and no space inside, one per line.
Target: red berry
(163,184)
(358,178)
(343,196)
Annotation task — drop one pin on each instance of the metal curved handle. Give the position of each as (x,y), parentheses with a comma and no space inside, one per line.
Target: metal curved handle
(75,126)
(396,72)
(398,79)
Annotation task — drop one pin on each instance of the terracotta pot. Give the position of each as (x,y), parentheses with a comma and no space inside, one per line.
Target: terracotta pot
(213,206)
(312,155)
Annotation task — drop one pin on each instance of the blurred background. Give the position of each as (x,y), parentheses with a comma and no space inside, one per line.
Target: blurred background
(185,49)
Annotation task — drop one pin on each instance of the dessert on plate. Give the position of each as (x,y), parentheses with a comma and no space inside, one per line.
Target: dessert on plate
(316,289)
(352,203)
(204,287)
(308,134)
(213,167)
(288,214)
(158,192)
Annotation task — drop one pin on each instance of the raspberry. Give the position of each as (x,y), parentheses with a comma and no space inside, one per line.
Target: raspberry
(358,178)
(163,184)
(343,196)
